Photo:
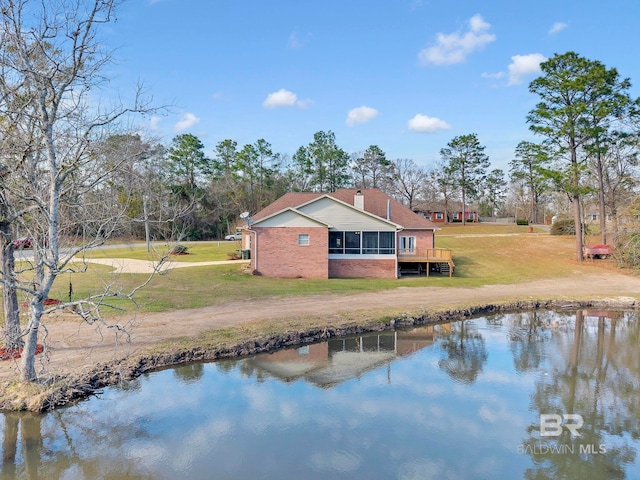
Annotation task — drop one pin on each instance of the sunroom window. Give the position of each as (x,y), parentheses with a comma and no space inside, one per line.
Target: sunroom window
(366,243)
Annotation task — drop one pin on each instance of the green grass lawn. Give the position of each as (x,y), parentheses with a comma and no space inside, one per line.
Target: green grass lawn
(483,254)
(198,251)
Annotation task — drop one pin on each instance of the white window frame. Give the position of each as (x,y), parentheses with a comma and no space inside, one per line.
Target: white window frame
(407,245)
(303,240)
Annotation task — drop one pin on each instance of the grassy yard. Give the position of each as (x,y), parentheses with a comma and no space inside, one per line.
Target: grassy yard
(198,251)
(483,254)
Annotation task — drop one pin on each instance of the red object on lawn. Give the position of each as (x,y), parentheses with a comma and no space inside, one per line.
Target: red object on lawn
(598,251)
(47,302)
(11,353)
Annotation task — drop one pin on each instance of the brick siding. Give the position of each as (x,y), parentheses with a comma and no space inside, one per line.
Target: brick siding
(362,268)
(280,255)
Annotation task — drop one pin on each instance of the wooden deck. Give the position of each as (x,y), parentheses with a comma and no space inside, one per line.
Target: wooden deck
(442,258)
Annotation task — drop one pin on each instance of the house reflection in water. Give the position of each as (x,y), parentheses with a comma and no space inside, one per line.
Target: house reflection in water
(329,363)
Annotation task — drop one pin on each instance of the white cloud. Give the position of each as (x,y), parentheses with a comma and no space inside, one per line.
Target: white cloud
(361,115)
(455,47)
(296,42)
(284,98)
(154,122)
(424,124)
(524,65)
(557,27)
(188,120)
(497,75)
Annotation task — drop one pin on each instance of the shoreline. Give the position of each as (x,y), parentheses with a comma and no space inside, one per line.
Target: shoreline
(258,337)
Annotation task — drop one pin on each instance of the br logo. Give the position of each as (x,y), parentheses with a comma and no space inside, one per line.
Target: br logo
(551,424)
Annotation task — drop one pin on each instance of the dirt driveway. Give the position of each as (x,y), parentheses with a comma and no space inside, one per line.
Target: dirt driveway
(76,346)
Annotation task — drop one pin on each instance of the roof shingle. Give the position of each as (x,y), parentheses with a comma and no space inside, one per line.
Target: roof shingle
(375,202)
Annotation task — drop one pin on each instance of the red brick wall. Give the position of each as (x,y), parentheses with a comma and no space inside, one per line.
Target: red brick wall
(362,268)
(424,238)
(279,254)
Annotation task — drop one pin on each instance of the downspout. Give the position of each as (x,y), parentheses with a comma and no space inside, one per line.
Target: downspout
(397,250)
(255,250)
(389,219)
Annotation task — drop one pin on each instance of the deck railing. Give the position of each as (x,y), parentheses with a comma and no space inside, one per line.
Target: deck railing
(424,255)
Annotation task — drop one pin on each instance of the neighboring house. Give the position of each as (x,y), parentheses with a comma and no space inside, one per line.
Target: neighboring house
(347,233)
(437,217)
(468,216)
(623,218)
(437,213)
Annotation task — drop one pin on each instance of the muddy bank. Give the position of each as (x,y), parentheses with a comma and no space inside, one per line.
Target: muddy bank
(66,389)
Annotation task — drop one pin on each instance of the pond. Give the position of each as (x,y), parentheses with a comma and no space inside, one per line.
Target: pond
(533,395)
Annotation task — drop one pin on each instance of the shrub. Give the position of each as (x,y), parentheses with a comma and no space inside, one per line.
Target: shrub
(235,255)
(179,250)
(565,226)
(522,221)
(628,251)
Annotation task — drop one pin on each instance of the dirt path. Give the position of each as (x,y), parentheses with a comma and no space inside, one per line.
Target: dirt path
(76,346)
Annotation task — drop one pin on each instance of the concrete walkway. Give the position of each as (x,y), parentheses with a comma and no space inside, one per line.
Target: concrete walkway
(128,265)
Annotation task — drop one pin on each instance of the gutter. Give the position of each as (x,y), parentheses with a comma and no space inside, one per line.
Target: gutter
(255,249)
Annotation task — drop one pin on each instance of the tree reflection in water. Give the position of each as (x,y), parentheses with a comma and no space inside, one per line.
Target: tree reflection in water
(494,376)
(592,373)
(466,352)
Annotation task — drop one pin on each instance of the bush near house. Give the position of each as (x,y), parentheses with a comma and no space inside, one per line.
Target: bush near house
(627,251)
(565,226)
(179,250)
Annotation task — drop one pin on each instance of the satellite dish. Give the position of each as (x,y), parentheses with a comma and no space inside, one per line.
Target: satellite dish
(244,215)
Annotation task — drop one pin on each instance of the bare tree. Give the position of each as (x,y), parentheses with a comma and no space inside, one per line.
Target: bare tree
(620,176)
(50,60)
(408,179)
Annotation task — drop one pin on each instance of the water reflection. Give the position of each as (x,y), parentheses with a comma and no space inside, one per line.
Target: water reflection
(461,400)
(591,376)
(466,353)
(339,360)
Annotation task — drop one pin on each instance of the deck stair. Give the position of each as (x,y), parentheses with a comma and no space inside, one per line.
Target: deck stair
(441,259)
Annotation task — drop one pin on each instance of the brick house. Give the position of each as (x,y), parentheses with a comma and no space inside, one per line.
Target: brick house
(347,233)
(468,216)
(438,217)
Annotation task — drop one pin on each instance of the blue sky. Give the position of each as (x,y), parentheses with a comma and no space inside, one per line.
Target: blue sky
(406,75)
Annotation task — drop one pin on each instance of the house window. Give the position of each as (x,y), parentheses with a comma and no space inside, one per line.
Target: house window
(387,243)
(352,243)
(408,245)
(303,239)
(439,215)
(370,242)
(336,242)
(357,243)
